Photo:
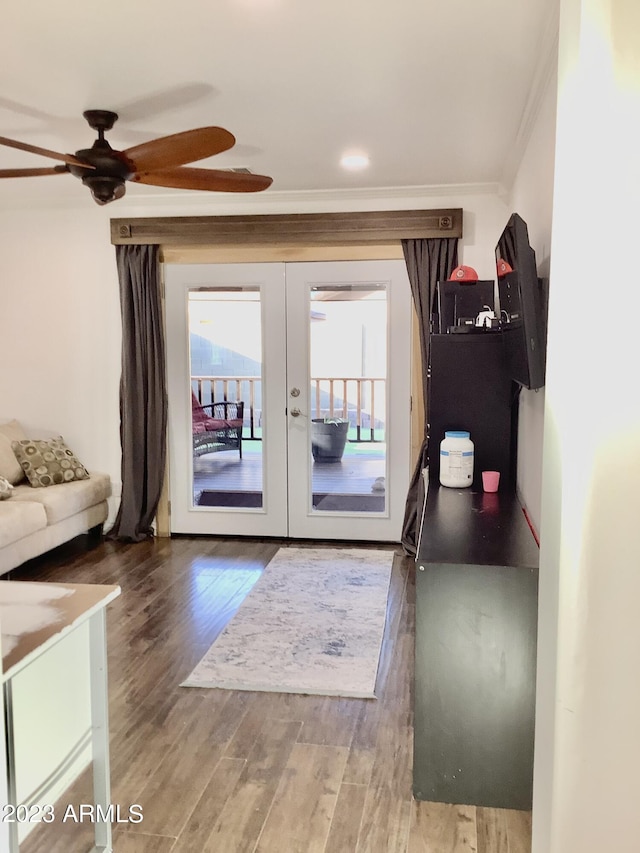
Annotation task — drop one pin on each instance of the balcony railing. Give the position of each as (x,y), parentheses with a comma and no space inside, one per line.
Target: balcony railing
(359,399)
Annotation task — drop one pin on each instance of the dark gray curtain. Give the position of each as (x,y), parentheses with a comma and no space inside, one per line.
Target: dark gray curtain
(428,261)
(143,395)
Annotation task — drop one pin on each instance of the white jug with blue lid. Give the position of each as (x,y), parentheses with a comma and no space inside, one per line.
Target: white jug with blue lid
(456,459)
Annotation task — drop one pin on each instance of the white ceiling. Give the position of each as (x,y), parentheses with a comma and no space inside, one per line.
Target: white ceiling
(436,92)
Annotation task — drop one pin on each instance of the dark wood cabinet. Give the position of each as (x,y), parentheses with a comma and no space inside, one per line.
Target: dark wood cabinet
(476,593)
(475,653)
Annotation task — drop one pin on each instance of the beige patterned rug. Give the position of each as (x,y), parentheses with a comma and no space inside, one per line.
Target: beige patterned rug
(313,623)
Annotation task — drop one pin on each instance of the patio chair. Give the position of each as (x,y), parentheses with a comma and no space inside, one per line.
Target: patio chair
(217,426)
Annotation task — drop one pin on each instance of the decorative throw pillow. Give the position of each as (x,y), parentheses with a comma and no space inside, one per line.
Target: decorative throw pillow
(6,489)
(47,462)
(9,467)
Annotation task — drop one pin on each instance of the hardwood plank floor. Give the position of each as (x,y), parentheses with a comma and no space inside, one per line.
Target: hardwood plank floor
(233,771)
(360,465)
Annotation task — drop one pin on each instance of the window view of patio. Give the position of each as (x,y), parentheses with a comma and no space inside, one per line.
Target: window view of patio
(225,345)
(348,362)
(346,400)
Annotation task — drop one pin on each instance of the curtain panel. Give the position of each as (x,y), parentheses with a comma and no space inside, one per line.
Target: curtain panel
(143,394)
(428,261)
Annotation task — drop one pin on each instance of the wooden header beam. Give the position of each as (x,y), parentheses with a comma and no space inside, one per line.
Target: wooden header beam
(308,229)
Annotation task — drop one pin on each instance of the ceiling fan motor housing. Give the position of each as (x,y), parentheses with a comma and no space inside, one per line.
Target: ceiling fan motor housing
(104,188)
(111,169)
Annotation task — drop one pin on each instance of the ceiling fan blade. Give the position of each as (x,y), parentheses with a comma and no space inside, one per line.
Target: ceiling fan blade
(179,148)
(34,149)
(32,173)
(214,180)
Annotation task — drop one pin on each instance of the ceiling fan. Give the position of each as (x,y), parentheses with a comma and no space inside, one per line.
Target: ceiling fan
(159,162)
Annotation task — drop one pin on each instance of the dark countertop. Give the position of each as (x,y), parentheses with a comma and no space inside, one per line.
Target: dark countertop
(468,526)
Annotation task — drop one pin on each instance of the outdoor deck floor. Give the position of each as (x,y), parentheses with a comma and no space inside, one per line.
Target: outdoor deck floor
(360,466)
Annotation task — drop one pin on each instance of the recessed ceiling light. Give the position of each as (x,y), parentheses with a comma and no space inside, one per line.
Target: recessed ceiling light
(354,161)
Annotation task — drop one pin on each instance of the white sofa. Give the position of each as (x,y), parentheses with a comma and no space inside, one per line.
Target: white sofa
(34,520)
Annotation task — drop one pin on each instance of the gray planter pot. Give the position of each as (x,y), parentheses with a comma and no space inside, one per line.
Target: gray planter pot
(328,438)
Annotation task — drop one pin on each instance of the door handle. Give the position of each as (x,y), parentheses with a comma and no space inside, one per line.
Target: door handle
(295,412)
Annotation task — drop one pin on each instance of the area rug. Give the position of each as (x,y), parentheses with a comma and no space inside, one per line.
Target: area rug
(313,623)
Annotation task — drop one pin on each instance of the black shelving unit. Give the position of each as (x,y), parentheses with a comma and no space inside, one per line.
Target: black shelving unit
(469,389)
(476,593)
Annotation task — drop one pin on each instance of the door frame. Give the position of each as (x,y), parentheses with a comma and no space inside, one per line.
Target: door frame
(284,254)
(284,305)
(269,280)
(303,521)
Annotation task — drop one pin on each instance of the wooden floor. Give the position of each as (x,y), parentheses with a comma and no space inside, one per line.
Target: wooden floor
(228,771)
(356,472)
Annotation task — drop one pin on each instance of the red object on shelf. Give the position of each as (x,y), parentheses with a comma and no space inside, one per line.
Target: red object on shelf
(503,267)
(464,273)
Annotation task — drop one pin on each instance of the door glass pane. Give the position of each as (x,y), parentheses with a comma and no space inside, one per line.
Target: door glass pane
(348,365)
(225,354)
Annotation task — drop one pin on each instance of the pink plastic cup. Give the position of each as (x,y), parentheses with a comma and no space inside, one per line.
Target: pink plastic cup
(490,481)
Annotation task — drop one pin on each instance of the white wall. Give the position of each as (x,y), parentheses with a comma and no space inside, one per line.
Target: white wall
(532,198)
(586,787)
(484,219)
(60,342)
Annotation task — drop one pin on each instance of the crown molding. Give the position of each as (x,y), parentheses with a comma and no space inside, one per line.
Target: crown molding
(304,201)
(544,71)
(272,201)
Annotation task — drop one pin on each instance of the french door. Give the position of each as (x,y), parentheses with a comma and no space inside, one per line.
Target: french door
(289,404)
